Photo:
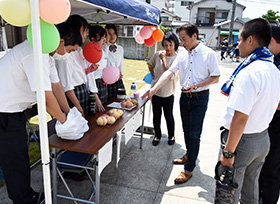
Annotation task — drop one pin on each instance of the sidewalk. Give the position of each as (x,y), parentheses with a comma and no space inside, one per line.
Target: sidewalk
(147,175)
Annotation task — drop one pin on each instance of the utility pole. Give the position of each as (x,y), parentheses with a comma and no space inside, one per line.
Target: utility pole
(231,23)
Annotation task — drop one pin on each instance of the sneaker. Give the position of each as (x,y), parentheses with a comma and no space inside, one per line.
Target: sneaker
(171,141)
(155,141)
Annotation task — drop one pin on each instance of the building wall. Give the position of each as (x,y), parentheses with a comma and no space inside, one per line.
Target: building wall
(182,11)
(214,6)
(133,50)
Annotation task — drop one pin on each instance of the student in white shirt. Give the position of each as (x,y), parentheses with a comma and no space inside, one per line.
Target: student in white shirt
(253,91)
(70,39)
(18,92)
(115,58)
(95,82)
(72,74)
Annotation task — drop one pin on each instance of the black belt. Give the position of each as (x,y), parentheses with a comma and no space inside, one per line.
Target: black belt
(196,94)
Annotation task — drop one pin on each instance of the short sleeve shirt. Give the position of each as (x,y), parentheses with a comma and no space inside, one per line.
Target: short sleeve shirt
(195,66)
(155,63)
(255,92)
(18,78)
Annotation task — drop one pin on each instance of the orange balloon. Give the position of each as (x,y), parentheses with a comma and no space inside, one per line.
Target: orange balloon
(158,35)
(149,42)
(54,11)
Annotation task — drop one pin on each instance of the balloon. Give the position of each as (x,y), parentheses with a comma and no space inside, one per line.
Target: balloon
(15,12)
(146,32)
(50,37)
(149,42)
(110,75)
(148,78)
(92,52)
(139,39)
(158,35)
(54,11)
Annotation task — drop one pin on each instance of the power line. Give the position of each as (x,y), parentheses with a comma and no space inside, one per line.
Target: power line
(271,2)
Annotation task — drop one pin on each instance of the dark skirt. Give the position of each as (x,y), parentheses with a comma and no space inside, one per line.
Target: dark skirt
(112,88)
(102,90)
(81,93)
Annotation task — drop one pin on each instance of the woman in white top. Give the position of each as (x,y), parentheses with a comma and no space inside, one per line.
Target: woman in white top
(99,35)
(115,58)
(164,98)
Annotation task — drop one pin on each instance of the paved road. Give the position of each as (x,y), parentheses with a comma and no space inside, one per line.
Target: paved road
(146,176)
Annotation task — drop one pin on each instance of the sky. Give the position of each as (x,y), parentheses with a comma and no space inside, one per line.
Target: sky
(256,8)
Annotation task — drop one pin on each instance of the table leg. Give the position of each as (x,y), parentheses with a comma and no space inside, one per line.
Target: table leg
(142,128)
(54,175)
(97,181)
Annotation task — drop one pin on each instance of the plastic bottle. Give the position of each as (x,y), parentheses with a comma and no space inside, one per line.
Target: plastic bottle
(132,88)
(91,105)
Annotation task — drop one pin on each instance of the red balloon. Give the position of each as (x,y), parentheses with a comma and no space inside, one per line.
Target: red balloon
(92,52)
(149,42)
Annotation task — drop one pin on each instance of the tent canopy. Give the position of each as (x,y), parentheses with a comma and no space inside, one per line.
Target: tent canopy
(127,12)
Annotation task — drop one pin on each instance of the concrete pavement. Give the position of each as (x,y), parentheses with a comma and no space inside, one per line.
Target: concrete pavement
(147,175)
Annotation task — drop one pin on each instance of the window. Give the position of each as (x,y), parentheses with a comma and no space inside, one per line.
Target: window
(130,31)
(148,1)
(164,18)
(186,3)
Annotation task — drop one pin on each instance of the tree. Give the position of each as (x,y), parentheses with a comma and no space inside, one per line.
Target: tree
(272,15)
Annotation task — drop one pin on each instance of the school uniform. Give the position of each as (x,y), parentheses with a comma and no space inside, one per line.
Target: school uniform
(18,92)
(72,75)
(115,58)
(96,77)
(251,89)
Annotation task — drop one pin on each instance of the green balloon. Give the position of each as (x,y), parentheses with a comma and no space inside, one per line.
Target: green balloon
(50,37)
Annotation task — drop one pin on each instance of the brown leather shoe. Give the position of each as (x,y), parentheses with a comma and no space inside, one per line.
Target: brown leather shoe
(182,160)
(183,177)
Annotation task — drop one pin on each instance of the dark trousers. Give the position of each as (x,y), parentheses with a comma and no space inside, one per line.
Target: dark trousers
(165,104)
(192,113)
(270,175)
(14,159)
(222,54)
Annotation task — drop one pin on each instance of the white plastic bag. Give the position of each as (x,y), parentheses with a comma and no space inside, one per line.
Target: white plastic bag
(74,127)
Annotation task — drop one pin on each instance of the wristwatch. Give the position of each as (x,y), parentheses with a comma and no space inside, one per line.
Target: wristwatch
(227,154)
(195,86)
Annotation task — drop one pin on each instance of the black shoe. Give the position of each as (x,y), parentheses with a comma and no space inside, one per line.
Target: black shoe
(155,141)
(74,176)
(171,141)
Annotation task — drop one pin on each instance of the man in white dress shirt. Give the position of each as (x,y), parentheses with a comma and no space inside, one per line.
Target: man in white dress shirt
(198,68)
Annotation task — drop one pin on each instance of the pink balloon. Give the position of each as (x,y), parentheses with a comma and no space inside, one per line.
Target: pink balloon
(146,32)
(110,75)
(139,39)
(54,11)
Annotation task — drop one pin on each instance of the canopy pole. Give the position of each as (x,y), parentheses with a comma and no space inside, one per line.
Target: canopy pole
(4,37)
(38,64)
